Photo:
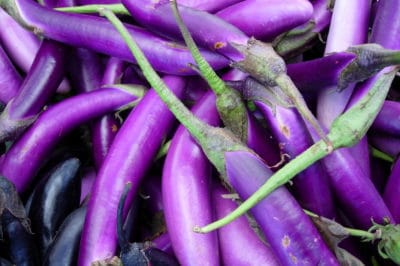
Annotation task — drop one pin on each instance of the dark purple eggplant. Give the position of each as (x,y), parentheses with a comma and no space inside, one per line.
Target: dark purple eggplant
(138,254)
(64,249)
(57,196)
(21,243)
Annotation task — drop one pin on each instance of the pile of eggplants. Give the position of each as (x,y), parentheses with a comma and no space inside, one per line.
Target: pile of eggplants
(99,167)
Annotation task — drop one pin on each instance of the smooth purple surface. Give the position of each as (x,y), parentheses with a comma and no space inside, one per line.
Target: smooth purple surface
(22,161)
(98,34)
(388,119)
(290,232)
(392,192)
(10,79)
(385,143)
(186,189)
(41,82)
(319,74)
(349,26)
(129,157)
(266,19)
(207,30)
(355,191)
(238,242)
(311,186)
(20,44)
(386,26)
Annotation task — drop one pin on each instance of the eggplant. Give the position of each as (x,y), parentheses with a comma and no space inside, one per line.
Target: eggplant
(64,248)
(49,205)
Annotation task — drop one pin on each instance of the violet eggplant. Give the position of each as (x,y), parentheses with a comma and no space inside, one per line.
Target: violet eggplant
(104,129)
(163,242)
(311,186)
(204,133)
(388,119)
(266,19)
(357,119)
(233,236)
(288,230)
(126,161)
(10,80)
(39,85)
(392,190)
(65,247)
(96,33)
(21,167)
(87,180)
(21,244)
(21,44)
(301,38)
(385,143)
(138,253)
(187,169)
(205,28)
(49,205)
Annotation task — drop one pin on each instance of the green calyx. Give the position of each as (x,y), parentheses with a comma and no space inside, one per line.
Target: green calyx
(389,241)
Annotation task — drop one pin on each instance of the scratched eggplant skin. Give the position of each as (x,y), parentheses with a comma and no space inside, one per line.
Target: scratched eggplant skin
(55,197)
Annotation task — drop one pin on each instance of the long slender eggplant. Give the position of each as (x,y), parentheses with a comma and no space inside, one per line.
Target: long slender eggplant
(205,28)
(21,44)
(392,191)
(145,128)
(266,19)
(21,162)
(387,121)
(49,205)
(193,175)
(39,85)
(96,33)
(10,80)
(233,236)
(291,234)
(64,248)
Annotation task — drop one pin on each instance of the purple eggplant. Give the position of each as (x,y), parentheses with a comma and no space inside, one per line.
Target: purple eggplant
(266,19)
(291,234)
(388,119)
(98,34)
(127,161)
(49,207)
(21,44)
(392,191)
(10,81)
(65,247)
(232,236)
(21,167)
(205,28)
(39,85)
(303,37)
(187,169)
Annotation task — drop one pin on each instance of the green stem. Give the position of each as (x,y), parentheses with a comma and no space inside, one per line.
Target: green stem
(216,84)
(365,235)
(115,8)
(229,103)
(281,177)
(192,123)
(346,131)
(288,87)
(381,155)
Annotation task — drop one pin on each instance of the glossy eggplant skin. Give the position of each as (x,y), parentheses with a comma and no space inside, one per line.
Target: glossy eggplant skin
(64,249)
(54,199)
(21,245)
